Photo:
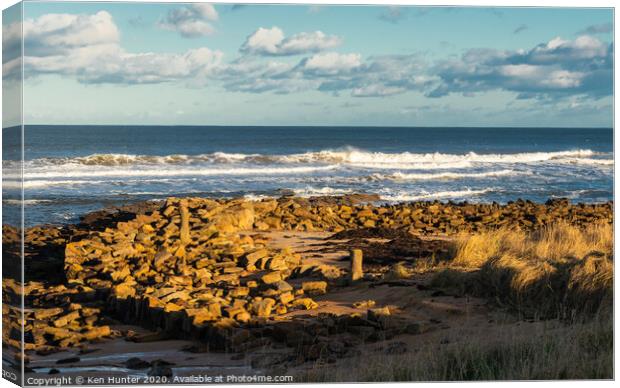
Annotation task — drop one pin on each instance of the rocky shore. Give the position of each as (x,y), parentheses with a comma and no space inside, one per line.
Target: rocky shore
(208,270)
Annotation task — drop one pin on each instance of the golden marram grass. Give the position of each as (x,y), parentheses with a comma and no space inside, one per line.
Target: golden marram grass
(558,270)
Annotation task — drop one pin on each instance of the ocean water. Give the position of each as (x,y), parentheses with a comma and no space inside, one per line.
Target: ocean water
(70,170)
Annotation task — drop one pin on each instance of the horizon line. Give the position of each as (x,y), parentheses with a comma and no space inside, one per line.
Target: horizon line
(306,126)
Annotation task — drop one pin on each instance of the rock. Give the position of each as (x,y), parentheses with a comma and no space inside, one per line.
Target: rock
(282,286)
(314,288)
(162,259)
(240,336)
(286,298)
(123,291)
(47,313)
(263,307)
(66,319)
(200,316)
(172,307)
(375,314)
(252,258)
(57,334)
(69,360)
(136,363)
(364,304)
(239,292)
(271,277)
(306,303)
(159,368)
(97,333)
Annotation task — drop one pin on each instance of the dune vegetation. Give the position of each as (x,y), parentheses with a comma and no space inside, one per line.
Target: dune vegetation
(558,271)
(538,353)
(557,279)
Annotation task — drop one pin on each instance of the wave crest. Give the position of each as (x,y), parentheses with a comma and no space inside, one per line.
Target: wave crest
(347,156)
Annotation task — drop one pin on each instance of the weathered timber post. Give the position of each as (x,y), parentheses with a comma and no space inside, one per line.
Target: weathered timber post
(184,233)
(357,272)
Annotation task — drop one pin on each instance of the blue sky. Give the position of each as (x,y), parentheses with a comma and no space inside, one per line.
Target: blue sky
(122,63)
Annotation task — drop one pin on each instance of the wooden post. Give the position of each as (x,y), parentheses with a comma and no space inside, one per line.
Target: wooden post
(185,238)
(357,271)
(184,233)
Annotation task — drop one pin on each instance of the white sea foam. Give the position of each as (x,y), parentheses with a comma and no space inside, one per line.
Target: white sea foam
(175,172)
(360,157)
(311,191)
(457,194)
(26,202)
(399,176)
(386,195)
(586,161)
(347,156)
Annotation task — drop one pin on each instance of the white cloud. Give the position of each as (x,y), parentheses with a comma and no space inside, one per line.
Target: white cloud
(557,68)
(191,21)
(264,41)
(331,63)
(271,41)
(67,31)
(521,71)
(377,90)
(87,48)
(563,79)
(556,50)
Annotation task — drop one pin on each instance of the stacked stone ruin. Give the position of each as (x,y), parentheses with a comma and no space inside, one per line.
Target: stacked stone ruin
(187,270)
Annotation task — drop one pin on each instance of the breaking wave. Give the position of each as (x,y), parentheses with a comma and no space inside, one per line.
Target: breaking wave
(457,194)
(346,156)
(399,176)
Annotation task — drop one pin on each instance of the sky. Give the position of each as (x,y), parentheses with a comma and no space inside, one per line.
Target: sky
(210,64)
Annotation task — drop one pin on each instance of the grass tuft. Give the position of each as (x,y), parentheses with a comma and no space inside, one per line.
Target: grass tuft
(559,270)
(576,351)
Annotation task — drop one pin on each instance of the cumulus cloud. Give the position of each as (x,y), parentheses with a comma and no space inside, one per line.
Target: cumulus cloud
(11,51)
(272,42)
(87,48)
(192,21)
(329,72)
(65,32)
(383,76)
(254,76)
(330,63)
(554,69)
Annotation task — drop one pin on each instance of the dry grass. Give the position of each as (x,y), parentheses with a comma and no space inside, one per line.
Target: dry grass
(398,271)
(557,270)
(508,356)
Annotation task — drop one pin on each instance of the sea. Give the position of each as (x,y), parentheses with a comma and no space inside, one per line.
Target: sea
(72,170)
